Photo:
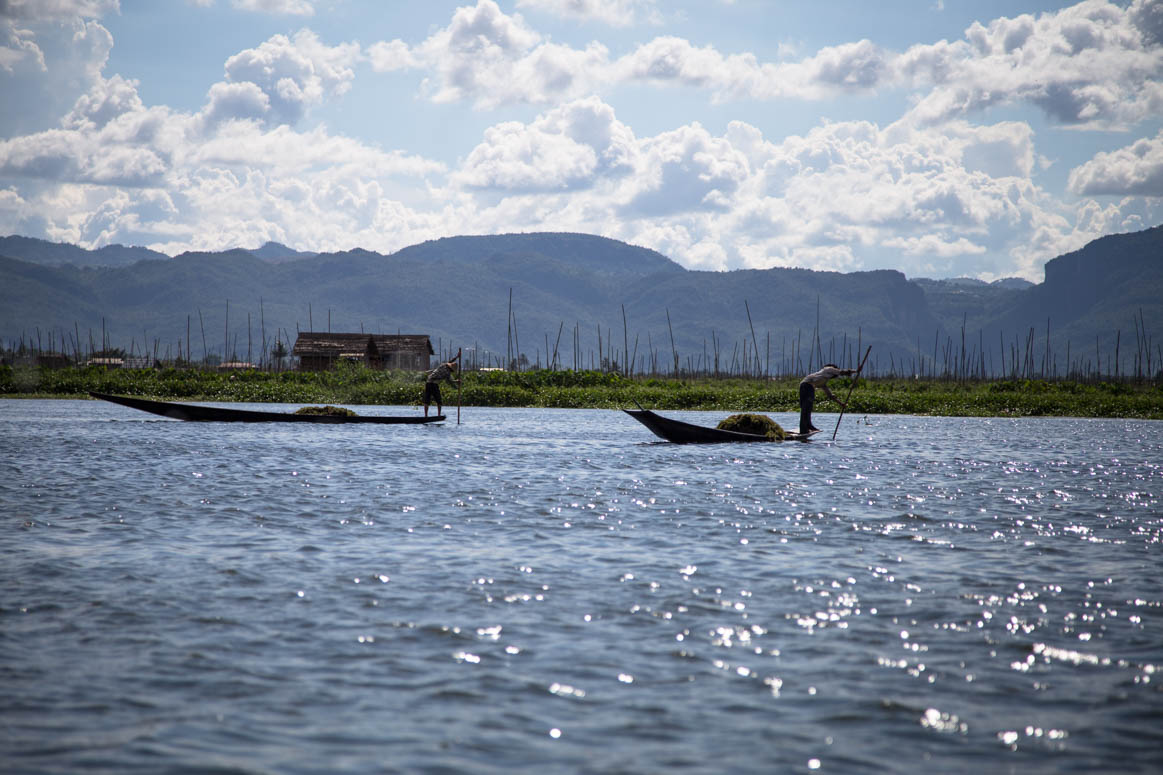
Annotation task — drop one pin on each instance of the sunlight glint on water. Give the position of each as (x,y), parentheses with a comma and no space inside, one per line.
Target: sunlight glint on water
(541,589)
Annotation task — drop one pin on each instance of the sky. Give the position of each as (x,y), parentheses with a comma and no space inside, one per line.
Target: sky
(941,138)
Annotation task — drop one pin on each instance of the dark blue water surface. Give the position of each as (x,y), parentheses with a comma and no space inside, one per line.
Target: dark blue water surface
(553,591)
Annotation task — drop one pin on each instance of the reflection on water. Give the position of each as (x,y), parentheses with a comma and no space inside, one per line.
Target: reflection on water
(549,589)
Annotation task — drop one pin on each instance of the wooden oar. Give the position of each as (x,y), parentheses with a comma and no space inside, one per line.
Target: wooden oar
(850,389)
(460,369)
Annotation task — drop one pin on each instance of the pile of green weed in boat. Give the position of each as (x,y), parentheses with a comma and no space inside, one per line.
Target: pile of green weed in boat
(756,424)
(329,411)
(354,384)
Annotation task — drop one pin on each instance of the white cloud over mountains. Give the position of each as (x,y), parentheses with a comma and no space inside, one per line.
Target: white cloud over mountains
(279,80)
(1090,64)
(56,10)
(933,193)
(20,19)
(571,147)
(616,13)
(291,7)
(1136,170)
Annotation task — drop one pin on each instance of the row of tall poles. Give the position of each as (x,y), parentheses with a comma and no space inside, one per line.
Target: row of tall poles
(1013,356)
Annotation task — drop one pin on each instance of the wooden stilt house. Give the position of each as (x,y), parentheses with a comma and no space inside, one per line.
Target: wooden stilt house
(321,351)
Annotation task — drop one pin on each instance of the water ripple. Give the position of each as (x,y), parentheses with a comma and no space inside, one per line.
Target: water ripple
(552,590)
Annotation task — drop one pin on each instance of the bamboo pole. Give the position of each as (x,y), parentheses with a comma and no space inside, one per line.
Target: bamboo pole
(202,325)
(850,389)
(672,347)
(628,366)
(555,344)
(754,340)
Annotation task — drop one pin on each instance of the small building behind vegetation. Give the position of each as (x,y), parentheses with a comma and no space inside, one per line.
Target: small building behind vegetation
(107,362)
(322,351)
(53,360)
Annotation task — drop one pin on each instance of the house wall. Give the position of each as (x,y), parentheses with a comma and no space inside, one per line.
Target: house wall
(397,359)
(406,359)
(315,363)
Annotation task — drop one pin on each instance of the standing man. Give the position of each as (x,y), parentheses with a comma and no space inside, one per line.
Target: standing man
(818,379)
(432,384)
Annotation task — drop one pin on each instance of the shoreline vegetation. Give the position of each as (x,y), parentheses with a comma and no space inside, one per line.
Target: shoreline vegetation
(354,385)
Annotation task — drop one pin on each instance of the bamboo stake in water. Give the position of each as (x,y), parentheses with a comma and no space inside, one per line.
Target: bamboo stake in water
(628,366)
(672,347)
(850,389)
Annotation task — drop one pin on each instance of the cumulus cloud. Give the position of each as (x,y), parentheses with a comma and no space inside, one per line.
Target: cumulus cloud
(153,176)
(290,7)
(284,152)
(495,59)
(1136,169)
(1147,16)
(282,78)
(685,170)
(17,45)
(567,148)
(616,13)
(63,155)
(933,245)
(1094,64)
(852,67)
(1091,64)
(18,41)
(107,100)
(955,200)
(491,58)
(235,101)
(386,56)
(930,194)
(93,42)
(671,60)
(928,201)
(118,170)
(109,138)
(56,10)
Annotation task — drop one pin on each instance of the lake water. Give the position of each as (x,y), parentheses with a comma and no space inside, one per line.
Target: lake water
(556,591)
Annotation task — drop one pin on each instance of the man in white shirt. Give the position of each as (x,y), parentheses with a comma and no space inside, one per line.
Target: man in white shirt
(818,379)
(441,373)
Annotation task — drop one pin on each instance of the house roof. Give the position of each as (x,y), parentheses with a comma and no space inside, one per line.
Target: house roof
(356,345)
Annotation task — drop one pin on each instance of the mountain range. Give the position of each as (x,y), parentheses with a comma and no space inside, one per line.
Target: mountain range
(495,295)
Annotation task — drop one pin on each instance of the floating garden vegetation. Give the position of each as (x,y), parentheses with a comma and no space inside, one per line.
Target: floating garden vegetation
(357,385)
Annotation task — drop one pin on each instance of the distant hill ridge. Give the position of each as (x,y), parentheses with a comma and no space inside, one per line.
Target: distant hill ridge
(567,288)
(38,251)
(588,251)
(276,251)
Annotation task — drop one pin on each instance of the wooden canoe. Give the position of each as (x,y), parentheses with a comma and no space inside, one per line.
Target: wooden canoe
(196,413)
(680,432)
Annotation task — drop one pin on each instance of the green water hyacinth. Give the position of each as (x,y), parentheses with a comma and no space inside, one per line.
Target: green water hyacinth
(357,385)
(758,424)
(331,411)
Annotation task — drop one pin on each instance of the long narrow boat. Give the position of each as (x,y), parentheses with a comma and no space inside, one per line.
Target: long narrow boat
(196,413)
(680,432)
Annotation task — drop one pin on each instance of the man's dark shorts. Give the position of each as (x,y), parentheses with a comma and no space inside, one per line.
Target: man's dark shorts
(432,393)
(807,398)
(807,395)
